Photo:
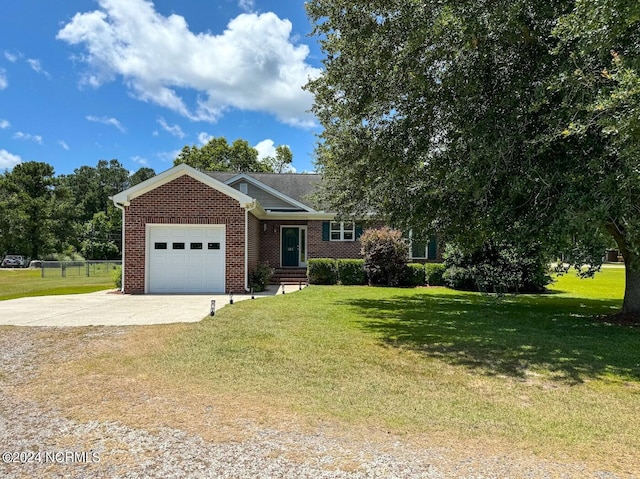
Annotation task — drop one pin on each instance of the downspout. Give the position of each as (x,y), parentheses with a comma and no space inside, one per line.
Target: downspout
(251,207)
(121,208)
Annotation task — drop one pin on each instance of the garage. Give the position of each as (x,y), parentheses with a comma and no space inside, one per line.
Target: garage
(185,259)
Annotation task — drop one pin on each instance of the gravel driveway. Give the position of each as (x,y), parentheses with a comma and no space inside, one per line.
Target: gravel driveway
(37,439)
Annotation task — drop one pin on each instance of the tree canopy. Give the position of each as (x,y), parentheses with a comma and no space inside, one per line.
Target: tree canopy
(32,210)
(486,120)
(280,163)
(240,157)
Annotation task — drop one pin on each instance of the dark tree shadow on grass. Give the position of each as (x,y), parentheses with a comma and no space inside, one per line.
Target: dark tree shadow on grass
(509,336)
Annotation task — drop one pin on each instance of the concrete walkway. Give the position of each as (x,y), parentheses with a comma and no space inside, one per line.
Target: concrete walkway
(113,309)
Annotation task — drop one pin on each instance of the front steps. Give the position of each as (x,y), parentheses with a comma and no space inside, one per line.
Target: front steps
(290,276)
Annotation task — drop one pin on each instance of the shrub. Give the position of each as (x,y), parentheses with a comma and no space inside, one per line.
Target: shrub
(457,277)
(385,255)
(497,266)
(116,276)
(433,273)
(322,271)
(351,271)
(259,278)
(414,275)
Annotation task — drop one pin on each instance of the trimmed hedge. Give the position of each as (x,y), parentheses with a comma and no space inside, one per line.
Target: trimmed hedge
(414,275)
(434,274)
(351,271)
(322,271)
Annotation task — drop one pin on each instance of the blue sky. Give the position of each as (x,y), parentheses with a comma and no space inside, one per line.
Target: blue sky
(135,80)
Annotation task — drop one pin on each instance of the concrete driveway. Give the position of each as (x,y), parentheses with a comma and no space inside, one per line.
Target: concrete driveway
(112,309)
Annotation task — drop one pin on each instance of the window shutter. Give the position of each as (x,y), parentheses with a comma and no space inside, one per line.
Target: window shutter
(325,231)
(433,246)
(358,231)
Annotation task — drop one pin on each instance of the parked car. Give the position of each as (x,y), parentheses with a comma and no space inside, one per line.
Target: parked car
(14,261)
(36,263)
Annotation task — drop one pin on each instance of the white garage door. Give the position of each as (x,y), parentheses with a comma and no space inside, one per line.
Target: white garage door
(186,259)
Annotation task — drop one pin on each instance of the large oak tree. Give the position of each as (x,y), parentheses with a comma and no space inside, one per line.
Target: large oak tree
(486,120)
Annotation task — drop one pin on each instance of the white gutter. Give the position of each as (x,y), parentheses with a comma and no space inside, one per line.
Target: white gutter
(248,208)
(121,208)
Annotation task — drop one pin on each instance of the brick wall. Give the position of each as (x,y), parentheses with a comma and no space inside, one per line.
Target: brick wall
(270,240)
(183,201)
(329,249)
(316,248)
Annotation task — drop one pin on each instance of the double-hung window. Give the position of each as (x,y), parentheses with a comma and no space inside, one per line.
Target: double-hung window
(342,231)
(422,249)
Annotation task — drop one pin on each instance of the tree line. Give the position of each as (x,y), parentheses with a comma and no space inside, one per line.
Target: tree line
(44,215)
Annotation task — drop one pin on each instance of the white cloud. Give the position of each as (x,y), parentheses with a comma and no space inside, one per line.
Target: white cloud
(168,156)
(12,57)
(4,83)
(63,145)
(204,138)
(28,137)
(253,65)
(247,5)
(266,148)
(37,67)
(175,130)
(4,124)
(8,160)
(140,161)
(106,121)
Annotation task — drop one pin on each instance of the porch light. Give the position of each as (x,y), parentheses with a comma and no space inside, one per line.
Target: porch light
(264,227)
(213,308)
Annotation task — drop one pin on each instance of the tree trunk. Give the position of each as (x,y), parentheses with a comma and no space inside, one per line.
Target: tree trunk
(630,313)
(631,303)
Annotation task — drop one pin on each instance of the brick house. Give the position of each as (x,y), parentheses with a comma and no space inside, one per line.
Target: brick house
(185,231)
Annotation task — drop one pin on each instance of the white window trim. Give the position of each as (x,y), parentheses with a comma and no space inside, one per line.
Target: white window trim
(426,248)
(425,255)
(342,231)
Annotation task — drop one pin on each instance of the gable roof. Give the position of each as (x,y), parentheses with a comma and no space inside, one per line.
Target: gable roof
(125,197)
(294,188)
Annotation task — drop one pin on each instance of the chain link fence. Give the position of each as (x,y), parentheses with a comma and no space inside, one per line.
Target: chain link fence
(87,269)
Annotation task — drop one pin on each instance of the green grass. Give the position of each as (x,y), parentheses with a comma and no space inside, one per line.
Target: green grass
(22,283)
(535,371)
(607,284)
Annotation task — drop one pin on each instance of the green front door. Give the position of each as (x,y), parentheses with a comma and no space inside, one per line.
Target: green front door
(290,246)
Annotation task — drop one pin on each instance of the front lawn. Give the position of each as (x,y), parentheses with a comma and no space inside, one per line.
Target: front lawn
(534,371)
(529,373)
(20,283)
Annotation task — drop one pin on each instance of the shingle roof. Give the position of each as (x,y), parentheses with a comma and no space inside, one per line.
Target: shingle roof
(298,186)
